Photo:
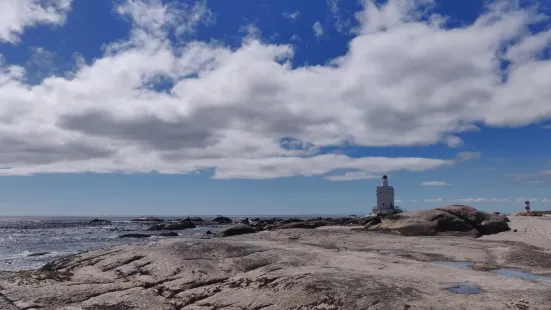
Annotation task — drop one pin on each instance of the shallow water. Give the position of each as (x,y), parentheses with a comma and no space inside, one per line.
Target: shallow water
(465,289)
(509,272)
(521,274)
(29,243)
(462,265)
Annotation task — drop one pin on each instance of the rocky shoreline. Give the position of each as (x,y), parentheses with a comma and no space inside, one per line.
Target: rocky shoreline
(405,261)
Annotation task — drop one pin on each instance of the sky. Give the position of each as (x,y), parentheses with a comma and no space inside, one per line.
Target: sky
(137,107)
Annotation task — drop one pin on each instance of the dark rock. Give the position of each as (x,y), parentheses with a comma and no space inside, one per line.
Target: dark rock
(493,226)
(135,236)
(208,232)
(515,230)
(291,220)
(168,234)
(222,220)
(185,224)
(147,219)
(100,221)
(239,229)
(196,219)
(245,221)
(38,254)
(304,225)
(370,220)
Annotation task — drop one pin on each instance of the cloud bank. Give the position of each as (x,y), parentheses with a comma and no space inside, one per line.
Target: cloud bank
(149,104)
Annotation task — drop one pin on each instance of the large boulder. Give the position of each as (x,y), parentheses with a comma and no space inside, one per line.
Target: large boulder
(451,220)
(239,229)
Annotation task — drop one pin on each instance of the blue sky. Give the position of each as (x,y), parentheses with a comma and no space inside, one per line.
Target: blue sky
(272,107)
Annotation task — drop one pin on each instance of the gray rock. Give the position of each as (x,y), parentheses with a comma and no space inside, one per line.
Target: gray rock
(331,269)
(451,220)
(239,229)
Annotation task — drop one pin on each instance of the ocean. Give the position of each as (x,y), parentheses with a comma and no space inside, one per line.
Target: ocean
(30,242)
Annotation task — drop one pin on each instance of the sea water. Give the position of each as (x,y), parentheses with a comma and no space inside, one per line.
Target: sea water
(31,242)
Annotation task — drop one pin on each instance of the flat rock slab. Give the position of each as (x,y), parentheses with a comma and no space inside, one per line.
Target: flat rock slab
(285,270)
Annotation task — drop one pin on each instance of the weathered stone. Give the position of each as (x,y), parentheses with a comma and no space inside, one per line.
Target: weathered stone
(331,269)
(239,229)
(456,220)
(493,226)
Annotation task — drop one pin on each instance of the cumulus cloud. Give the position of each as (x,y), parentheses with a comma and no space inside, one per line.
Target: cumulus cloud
(435,183)
(20,14)
(291,15)
(318,29)
(434,200)
(150,105)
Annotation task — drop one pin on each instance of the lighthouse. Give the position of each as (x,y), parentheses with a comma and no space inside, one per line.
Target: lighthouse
(527,207)
(385,198)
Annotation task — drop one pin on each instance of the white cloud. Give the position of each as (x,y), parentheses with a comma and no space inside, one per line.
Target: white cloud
(291,15)
(403,82)
(16,15)
(468,155)
(546,200)
(522,199)
(318,29)
(453,141)
(435,183)
(475,200)
(434,200)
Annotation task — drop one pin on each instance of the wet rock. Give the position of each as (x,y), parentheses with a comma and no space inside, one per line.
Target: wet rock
(239,229)
(245,221)
(222,220)
(100,221)
(38,254)
(185,224)
(208,232)
(135,236)
(148,219)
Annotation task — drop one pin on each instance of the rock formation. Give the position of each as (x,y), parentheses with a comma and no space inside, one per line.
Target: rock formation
(450,220)
(291,269)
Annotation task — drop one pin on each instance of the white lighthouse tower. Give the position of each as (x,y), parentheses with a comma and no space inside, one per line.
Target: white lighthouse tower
(385,199)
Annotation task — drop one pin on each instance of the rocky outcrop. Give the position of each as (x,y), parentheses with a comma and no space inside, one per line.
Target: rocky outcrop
(100,222)
(239,229)
(294,269)
(222,220)
(449,220)
(184,224)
